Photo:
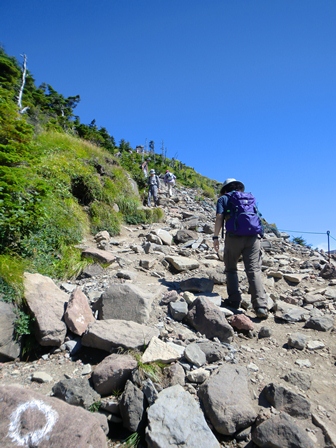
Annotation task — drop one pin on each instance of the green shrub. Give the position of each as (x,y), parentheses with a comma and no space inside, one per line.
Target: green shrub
(11,278)
(24,324)
(103,217)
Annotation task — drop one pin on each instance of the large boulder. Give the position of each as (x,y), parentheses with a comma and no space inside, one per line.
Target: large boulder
(32,419)
(132,407)
(76,391)
(110,334)
(124,302)
(112,373)
(226,400)
(281,431)
(182,263)
(9,348)
(194,284)
(47,303)
(78,314)
(207,318)
(285,400)
(176,420)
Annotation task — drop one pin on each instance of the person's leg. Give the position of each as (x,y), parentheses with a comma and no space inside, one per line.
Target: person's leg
(170,190)
(232,252)
(149,196)
(155,195)
(252,261)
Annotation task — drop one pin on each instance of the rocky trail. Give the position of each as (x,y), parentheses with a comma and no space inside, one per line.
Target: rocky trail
(142,337)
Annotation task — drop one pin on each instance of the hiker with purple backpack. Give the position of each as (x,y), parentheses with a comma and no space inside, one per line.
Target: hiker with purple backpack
(237,212)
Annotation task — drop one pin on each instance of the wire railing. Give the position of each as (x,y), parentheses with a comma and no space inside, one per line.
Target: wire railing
(313,233)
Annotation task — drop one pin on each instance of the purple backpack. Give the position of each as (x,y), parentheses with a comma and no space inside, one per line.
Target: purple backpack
(244,216)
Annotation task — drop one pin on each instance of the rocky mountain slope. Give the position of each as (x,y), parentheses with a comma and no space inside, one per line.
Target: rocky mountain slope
(146,341)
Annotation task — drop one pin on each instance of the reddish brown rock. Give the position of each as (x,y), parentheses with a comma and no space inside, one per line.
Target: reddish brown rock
(112,373)
(31,419)
(46,302)
(241,322)
(78,314)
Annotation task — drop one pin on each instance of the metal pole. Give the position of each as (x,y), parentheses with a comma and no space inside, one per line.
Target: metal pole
(328,233)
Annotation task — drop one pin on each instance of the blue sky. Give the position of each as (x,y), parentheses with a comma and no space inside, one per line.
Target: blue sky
(234,88)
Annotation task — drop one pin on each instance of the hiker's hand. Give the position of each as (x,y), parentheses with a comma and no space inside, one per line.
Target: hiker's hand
(216,245)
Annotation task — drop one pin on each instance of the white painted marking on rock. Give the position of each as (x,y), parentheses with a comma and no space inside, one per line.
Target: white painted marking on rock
(32,437)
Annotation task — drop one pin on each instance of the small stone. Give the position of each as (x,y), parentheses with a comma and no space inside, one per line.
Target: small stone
(315,345)
(303,363)
(264,332)
(241,322)
(41,377)
(86,369)
(253,367)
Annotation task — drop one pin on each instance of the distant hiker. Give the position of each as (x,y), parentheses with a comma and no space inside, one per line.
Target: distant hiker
(244,230)
(144,167)
(169,180)
(154,187)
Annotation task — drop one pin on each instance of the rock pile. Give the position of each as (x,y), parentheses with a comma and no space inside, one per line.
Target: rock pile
(146,342)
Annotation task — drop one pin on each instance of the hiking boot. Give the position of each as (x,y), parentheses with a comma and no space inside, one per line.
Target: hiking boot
(231,304)
(262,313)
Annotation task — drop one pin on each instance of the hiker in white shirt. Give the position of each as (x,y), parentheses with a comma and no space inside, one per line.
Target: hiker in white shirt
(169,180)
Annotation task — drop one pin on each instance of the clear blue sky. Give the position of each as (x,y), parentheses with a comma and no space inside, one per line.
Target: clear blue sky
(234,88)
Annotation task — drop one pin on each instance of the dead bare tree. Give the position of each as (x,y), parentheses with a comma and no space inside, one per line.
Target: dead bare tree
(22,110)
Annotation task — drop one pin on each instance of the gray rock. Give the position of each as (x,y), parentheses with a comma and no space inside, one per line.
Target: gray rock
(98,254)
(198,375)
(152,238)
(132,407)
(194,354)
(110,334)
(149,248)
(149,391)
(76,391)
(174,374)
(41,377)
(197,285)
(112,373)
(93,270)
(209,320)
(285,400)
(297,340)
(328,429)
(9,348)
(158,350)
(191,223)
(182,263)
(73,346)
(264,332)
(295,278)
(47,421)
(213,351)
(281,431)
(165,236)
(182,236)
(290,313)
(46,302)
(322,323)
(178,310)
(126,274)
(124,302)
(313,298)
(226,400)
(300,379)
(219,278)
(167,428)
